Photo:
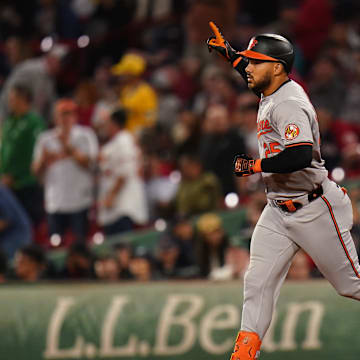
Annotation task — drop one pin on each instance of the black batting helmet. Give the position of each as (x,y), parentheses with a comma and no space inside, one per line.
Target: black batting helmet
(271,47)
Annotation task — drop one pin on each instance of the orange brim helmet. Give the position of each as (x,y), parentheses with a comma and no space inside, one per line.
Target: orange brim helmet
(271,47)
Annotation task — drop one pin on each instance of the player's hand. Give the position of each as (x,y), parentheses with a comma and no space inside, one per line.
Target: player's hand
(219,44)
(245,165)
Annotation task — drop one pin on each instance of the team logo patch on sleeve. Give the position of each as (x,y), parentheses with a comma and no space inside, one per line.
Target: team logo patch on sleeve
(291,132)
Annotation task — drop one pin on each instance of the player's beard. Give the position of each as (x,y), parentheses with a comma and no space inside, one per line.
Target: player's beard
(262,84)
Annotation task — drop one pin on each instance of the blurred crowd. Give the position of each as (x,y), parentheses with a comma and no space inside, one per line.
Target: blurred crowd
(113,115)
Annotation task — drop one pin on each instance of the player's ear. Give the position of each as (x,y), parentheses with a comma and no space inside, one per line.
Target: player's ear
(278,68)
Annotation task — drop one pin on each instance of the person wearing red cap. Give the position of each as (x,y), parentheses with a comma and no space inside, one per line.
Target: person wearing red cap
(63,158)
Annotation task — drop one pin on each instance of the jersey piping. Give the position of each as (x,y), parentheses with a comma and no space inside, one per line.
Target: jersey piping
(298,144)
(339,235)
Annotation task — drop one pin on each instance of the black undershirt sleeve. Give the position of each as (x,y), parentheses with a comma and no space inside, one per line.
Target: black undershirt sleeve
(289,160)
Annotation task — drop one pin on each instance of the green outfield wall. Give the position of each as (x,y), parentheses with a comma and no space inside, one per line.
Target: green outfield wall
(185,320)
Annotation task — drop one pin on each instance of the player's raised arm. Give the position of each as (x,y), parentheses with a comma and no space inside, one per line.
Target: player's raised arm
(218,43)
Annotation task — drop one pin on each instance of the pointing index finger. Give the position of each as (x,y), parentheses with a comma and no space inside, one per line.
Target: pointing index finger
(216,31)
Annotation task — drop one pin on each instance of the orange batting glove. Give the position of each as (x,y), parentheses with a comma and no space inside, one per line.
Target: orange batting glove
(245,166)
(219,44)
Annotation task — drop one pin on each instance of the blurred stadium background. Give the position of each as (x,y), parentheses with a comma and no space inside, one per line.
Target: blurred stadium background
(123,232)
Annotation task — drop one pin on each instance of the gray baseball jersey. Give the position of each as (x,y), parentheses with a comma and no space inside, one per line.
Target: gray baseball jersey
(286,118)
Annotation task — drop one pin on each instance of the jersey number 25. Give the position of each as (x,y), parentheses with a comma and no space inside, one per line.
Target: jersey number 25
(271,148)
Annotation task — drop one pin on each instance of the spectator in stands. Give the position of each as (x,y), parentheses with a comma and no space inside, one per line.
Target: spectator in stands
(100,119)
(17,140)
(218,146)
(85,96)
(39,73)
(175,252)
(244,121)
(15,227)
(212,244)
(326,86)
(136,96)
(197,18)
(342,136)
(122,199)
(16,50)
(167,256)
(107,99)
(64,158)
(160,188)
(329,56)
(209,94)
(107,268)
(285,23)
(169,104)
(186,132)
(157,140)
(79,263)
(183,234)
(186,81)
(330,146)
(142,265)
(123,254)
(350,111)
(198,191)
(30,264)
(312,26)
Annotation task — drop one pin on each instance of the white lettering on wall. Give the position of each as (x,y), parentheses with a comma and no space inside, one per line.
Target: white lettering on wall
(185,320)
(52,350)
(107,348)
(230,319)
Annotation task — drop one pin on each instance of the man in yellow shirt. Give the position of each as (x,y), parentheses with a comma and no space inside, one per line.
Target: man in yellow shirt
(136,95)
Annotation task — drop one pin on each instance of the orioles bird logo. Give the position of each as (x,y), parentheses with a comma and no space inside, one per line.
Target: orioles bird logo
(252,43)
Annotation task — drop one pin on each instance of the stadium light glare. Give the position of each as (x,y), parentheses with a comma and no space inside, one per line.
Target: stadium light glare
(160,225)
(83,41)
(46,44)
(175,177)
(55,240)
(338,174)
(231,200)
(98,238)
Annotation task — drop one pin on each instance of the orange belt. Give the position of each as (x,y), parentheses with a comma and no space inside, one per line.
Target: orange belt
(293,205)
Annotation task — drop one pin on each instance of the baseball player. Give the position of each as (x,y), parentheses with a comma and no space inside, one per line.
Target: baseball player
(305,209)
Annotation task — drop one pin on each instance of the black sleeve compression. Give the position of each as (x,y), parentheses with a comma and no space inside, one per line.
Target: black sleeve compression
(290,160)
(240,68)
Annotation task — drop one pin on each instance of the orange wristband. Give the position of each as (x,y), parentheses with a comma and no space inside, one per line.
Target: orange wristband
(257,166)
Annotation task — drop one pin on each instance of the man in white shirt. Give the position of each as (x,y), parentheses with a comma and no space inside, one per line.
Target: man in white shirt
(64,157)
(122,199)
